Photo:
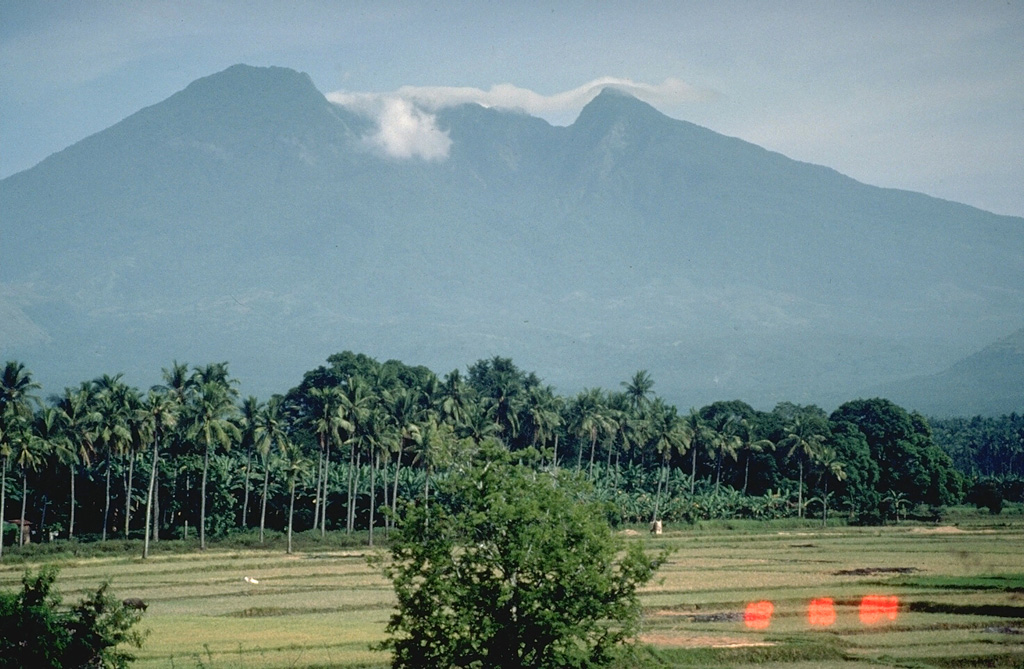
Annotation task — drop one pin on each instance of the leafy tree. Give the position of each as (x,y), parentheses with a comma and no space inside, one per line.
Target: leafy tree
(35,631)
(901,443)
(514,570)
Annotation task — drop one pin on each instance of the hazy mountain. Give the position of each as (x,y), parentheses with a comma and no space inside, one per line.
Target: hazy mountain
(248,219)
(989,382)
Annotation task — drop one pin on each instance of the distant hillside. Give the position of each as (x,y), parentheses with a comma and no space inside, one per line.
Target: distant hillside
(989,382)
(248,219)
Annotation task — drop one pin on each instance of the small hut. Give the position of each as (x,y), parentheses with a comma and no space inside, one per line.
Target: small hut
(26,530)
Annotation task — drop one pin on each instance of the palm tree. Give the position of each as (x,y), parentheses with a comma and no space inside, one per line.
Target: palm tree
(591,420)
(723,439)
(667,433)
(328,422)
(699,434)
(79,424)
(750,445)
(212,426)
(159,414)
(406,413)
(638,388)
(296,464)
(137,428)
(805,436)
(833,468)
(32,449)
(16,400)
(543,414)
(270,431)
(112,429)
(248,424)
(357,400)
(454,398)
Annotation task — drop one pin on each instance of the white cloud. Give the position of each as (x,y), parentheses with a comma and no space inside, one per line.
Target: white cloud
(407,128)
(403,129)
(507,96)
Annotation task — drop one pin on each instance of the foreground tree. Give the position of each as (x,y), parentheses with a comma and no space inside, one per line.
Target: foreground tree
(515,571)
(36,631)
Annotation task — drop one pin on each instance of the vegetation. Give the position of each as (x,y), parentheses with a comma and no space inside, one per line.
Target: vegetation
(38,632)
(959,586)
(509,568)
(190,458)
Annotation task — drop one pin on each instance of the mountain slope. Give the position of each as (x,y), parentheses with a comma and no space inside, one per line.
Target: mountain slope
(247,218)
(989,382)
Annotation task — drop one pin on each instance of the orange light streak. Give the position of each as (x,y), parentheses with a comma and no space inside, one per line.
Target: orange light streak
(875,609)
(821,612)
(758,615)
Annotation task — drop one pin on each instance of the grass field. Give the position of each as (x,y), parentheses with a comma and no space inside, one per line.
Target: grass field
(959,587)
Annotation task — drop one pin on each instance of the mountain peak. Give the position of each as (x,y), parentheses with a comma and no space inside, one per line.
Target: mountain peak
(613,103)
(256,84)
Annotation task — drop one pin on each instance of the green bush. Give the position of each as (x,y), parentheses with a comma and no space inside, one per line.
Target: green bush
(512,567)
(36,631)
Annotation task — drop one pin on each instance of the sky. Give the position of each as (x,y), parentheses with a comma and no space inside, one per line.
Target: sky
(924,96)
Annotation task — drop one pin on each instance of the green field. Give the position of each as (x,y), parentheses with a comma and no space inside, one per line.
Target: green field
(959,584)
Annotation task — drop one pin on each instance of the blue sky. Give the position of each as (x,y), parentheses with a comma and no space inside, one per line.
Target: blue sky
(926,96)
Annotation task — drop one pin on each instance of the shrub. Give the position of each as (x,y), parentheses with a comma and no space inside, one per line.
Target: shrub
(512,567)
(35,631)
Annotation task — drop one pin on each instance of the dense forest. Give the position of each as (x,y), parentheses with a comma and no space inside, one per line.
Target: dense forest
(357,437)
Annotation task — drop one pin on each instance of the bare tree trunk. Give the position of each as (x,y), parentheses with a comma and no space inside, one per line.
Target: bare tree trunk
(354,495)
(106,505)
(291,516)
(351,489)
(263,502)
(394,492)
(3,503)
(245,498)
(327,478)
(156,507)
(693,469)
(800,492)
(71,520)
(149,498)
(319,481)
(24,499)
(128,494)
(202,501)
(373,491)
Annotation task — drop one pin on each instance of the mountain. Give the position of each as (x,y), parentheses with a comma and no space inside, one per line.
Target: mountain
(989,382)
(247,218)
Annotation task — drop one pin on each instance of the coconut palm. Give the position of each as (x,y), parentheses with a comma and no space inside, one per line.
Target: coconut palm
(16,401)
(159,414)
(32,448)
(79,419)
(270,432)
(591,420)
(113,432)
(248,425)
(667,433)
(296,464)
(805,435)
(638,389)
(834,468)
(212,426)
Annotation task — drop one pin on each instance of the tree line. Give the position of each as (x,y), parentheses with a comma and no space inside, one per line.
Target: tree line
(356,437)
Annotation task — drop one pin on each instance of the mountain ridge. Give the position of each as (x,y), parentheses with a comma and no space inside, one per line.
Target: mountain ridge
(247,206)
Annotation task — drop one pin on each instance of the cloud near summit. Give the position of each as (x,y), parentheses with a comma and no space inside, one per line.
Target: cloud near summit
(407,128)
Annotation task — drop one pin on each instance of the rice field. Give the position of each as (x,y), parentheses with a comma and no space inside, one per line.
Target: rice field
(785,594)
